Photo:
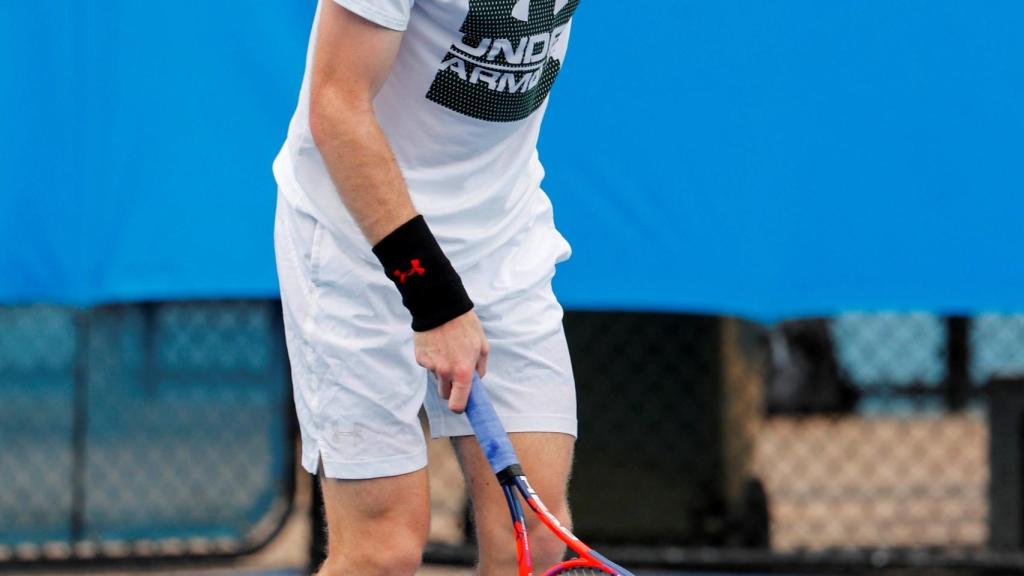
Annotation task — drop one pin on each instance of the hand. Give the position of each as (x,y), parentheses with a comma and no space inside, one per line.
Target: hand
(452,351)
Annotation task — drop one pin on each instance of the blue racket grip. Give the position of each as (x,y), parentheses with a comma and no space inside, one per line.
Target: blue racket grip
(488,429)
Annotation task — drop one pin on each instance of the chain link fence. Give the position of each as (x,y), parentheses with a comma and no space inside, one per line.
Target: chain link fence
(147,430)
(855,440)
(159,430)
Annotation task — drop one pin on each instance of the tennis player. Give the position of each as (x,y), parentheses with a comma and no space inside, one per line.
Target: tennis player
(415,246)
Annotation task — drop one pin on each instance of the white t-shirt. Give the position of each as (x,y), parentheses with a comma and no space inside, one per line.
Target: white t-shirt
(462,110)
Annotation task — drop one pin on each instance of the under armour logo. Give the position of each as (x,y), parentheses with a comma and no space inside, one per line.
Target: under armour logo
(415,269)
(521,11)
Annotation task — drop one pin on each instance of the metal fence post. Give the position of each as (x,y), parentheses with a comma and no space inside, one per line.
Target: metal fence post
(79,425)
(1006,453)
(958,359)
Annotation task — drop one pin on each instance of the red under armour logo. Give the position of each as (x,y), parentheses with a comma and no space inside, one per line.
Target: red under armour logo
(415,269)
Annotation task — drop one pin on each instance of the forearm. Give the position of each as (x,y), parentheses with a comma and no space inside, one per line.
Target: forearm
(352,61)
(362,166)
(371,185)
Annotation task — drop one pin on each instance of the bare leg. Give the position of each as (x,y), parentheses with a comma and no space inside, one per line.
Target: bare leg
(376,527)
(547,460)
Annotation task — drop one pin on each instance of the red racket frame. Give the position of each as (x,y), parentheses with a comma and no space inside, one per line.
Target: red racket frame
(513,483)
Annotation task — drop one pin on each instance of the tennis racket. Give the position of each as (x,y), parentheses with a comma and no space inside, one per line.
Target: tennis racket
(502,458)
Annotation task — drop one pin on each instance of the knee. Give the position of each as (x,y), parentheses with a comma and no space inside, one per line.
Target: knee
(498,554)
(396,555)
(403,560)
(547,548)
(385,561)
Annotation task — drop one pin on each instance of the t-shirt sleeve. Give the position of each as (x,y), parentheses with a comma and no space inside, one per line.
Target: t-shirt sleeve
(392,14)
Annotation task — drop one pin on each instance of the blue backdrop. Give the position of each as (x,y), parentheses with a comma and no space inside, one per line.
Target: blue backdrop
(767,158)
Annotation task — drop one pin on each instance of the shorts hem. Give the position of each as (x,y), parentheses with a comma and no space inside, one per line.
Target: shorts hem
(365,469)
(451,425)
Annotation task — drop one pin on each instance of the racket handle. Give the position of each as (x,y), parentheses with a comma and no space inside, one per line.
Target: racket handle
(488,429)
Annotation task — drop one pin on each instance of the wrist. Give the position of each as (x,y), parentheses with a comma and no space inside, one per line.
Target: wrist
(431,288)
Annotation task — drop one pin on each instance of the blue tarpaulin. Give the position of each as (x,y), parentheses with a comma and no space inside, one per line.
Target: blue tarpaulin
(766,158)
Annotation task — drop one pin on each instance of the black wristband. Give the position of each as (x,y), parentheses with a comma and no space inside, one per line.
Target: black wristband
(431,288)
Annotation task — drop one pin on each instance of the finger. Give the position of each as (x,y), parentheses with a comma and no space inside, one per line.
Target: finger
(461,383)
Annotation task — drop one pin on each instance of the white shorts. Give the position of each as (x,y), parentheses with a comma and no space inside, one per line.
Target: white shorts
(358,390)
